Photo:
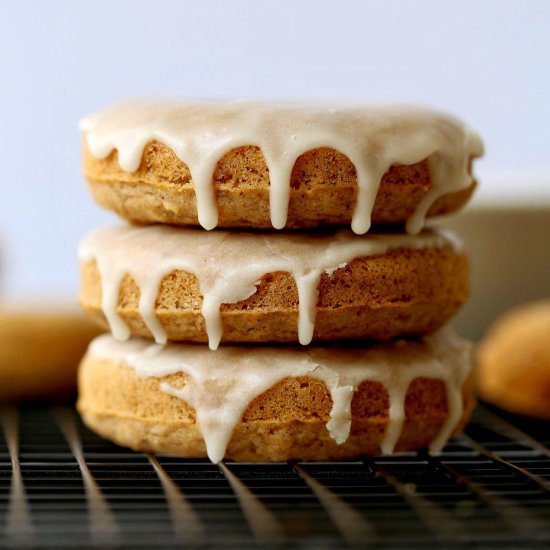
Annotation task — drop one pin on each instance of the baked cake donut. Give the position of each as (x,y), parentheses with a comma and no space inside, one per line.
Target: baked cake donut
(274,165)
(514,361)
(40,348)
(185,284)
(274,404)
(164,290)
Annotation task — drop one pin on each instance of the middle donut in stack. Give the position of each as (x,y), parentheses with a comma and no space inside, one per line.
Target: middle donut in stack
(250,165)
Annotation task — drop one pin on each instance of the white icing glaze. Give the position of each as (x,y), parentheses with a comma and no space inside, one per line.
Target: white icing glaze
(373,137)
(221,384)
(228,266)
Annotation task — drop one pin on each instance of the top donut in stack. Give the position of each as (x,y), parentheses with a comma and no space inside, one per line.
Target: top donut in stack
(263,166)
(251,165)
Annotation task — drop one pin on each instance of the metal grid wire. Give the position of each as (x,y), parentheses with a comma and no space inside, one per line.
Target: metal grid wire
(61,486)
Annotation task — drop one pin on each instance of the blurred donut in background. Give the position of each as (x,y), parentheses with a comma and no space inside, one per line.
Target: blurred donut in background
(514,361)
(40,348)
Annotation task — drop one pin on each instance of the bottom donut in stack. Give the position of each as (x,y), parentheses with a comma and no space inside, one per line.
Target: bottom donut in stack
(277,403)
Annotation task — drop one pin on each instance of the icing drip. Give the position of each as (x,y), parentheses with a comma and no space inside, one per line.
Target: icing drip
(373,137)
(228,266)
(221,384)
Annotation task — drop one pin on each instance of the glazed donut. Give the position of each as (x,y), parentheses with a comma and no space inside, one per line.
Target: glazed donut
(271,404)
(264,165)
(185,284)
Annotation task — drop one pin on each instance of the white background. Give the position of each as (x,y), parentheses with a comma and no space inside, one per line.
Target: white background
(486,61)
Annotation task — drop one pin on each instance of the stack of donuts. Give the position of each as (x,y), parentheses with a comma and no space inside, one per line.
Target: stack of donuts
(273,292)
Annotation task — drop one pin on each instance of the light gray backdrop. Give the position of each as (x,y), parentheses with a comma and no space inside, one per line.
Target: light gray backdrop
(486,61)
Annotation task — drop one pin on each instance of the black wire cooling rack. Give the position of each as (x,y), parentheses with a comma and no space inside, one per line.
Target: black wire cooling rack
(63,487)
